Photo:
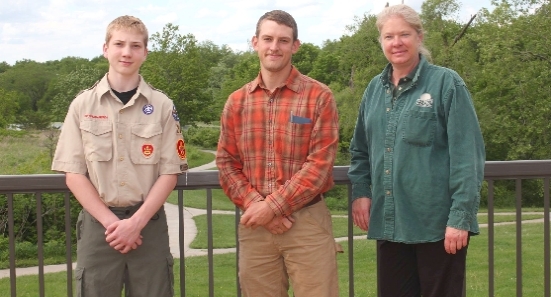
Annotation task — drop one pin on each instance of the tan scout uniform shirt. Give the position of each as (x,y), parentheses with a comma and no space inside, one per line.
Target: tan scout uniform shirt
(123,148)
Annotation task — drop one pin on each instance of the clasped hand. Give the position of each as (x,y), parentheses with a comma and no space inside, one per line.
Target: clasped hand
(123,236)
(260,214)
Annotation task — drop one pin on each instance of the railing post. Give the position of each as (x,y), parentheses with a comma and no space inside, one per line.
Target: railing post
(519,235)
(68,246)
(40,244)
(11,235)
(237,220)
(546,239)
(350,245)
(210,243)
(182,243)
(491,289)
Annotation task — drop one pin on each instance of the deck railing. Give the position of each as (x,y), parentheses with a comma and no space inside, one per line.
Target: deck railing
(208,180)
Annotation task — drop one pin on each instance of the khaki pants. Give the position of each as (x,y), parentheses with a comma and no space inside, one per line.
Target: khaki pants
(306,254)
(102,271)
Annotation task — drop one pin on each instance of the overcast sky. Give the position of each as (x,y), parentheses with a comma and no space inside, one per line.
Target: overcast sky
(45,30)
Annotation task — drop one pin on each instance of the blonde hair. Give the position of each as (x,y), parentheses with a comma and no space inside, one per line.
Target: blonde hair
(127,22)
(410,16)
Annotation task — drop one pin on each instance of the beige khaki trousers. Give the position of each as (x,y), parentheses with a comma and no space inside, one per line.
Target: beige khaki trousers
(305,255)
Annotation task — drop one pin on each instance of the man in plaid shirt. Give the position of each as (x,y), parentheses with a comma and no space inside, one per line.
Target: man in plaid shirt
(278,140)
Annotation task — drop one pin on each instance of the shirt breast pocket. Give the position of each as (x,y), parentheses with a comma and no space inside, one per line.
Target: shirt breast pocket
(419,128)
(146,143)
(295,144)
(97,139)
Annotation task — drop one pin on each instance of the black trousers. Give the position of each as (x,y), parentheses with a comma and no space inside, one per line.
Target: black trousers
(423,269)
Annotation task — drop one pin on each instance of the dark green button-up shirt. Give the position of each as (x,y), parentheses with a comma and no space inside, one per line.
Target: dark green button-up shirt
(421,159)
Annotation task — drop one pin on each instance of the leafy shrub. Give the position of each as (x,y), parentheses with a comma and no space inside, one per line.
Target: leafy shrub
(25,250)
(203,137)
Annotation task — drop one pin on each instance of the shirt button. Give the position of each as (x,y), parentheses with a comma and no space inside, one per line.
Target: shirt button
(120,111)
(387,171)
(120,136)
(388,149)
(387,91)
(122,184)
(121,158)
(388,193)
(400,88)
(387,109)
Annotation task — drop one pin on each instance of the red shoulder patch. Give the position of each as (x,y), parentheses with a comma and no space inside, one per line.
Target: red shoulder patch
(181,148)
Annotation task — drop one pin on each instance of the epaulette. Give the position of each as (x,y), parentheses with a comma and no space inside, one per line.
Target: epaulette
(93,86)
(155,89)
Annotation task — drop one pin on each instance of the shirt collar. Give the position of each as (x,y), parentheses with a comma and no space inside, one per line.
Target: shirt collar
(292,82)
(413,75)
(143,88)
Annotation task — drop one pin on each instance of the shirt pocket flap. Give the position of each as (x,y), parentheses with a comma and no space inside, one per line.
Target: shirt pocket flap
(96,128)
(147,130)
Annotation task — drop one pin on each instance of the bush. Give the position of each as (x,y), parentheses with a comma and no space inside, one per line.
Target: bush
(203,137)
(337,198)
(55,248)
(25,250)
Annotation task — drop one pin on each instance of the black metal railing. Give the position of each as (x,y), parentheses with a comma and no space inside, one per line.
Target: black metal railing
(208,180)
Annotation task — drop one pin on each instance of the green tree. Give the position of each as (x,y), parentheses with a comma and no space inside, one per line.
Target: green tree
(4,66)
(326,68)
(8,108)
(176,67)
(68,86)
(513,88)
(305,57)
(244,70)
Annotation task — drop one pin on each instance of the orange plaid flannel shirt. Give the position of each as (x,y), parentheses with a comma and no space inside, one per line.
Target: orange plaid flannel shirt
(278,146)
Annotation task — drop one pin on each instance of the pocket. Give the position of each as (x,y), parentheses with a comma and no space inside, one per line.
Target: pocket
(79,225)
(318,215)
(170,267)
(419,128)
(97,140)
(146,143)
(79,281)
(295,142)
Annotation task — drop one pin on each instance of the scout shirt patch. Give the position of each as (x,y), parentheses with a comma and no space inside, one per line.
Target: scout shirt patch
(175,113)
(147,150)
(147,109)
(181,149)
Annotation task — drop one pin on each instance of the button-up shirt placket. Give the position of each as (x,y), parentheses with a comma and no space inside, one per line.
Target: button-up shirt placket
(389,207)
(270,151)
(394,107)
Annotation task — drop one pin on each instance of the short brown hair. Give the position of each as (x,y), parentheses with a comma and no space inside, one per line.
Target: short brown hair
(281,17)
(127,22)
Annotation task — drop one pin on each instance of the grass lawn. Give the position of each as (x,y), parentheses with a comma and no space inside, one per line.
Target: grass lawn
(196,268)
(223,227)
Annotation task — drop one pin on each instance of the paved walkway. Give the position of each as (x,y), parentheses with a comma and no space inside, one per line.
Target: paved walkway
(190,231)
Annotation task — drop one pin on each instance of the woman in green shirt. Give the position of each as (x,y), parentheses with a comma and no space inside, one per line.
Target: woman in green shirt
(417,165)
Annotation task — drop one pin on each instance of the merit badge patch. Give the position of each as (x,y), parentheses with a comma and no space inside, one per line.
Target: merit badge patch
(147,109)
(175,113)
(181,148)
(147,150)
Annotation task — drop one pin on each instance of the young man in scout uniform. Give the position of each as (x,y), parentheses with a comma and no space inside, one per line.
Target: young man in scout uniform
(121,148)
